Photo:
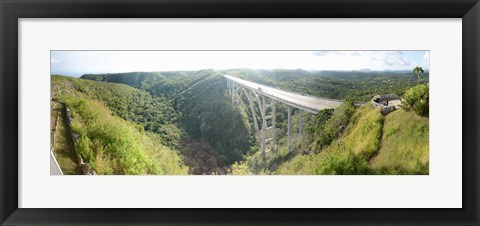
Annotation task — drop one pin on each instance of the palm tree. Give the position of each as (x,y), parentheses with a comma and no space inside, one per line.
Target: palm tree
(418,71)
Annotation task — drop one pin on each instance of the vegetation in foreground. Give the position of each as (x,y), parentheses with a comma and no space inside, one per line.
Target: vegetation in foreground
(404,148)
(109,144)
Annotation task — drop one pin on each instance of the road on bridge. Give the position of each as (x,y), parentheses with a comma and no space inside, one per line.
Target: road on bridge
(307,103)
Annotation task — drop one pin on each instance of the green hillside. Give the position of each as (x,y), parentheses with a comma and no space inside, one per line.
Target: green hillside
(106,142)
(370,144)
(404,147)
(155,114)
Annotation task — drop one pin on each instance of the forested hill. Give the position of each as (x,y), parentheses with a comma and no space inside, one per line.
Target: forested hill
(141,80)
(221,133)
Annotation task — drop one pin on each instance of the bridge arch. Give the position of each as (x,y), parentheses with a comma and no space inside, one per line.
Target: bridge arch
(265,98)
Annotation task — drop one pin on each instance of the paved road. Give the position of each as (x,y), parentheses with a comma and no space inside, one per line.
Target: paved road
(307,103)
(54,168)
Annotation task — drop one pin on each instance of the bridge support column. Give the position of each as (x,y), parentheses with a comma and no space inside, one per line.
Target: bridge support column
(300,123)
(231,91)
(234,91)
(289,129)
(274,126)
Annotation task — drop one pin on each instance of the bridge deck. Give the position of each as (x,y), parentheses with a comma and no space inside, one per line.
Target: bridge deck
(307,103)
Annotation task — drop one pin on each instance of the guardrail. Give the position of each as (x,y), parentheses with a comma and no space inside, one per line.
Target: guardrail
(54,167)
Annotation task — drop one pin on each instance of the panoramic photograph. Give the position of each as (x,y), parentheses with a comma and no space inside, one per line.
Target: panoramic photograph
(239,112)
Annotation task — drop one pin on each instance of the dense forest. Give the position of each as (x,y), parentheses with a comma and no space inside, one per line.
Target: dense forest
(184,122)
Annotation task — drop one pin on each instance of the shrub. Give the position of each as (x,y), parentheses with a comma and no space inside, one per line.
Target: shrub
(328,124)
(240,169)
(416,100)
(83,148)
(317,128)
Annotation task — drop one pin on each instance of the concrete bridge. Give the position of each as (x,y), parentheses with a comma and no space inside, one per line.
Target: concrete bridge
(265,98)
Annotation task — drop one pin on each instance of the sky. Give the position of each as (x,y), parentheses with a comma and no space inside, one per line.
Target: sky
(77,63)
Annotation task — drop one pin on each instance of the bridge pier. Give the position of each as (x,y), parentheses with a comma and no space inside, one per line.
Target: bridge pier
(234,91)
(300,123)
(274,126)
(289,129)
(231,91)
(266,134)
(266,130)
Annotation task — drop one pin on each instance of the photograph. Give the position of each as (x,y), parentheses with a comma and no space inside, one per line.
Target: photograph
(239,112)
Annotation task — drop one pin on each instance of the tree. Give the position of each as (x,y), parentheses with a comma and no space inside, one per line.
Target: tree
(416,99)
(418,71)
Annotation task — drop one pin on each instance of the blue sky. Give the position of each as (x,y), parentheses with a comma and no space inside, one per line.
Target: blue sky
(76,63)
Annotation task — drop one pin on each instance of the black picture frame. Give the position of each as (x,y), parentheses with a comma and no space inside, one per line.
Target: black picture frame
(11,11)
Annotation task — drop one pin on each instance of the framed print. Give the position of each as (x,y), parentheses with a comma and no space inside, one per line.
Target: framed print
(239,112)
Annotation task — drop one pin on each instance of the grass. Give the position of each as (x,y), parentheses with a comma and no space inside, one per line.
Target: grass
(366,131)
(64,150)
(110,145)
(371,144)
(404,148)
(348,154)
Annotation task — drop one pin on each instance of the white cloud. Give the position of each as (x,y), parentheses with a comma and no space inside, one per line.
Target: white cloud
(376,60)
(396,61)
